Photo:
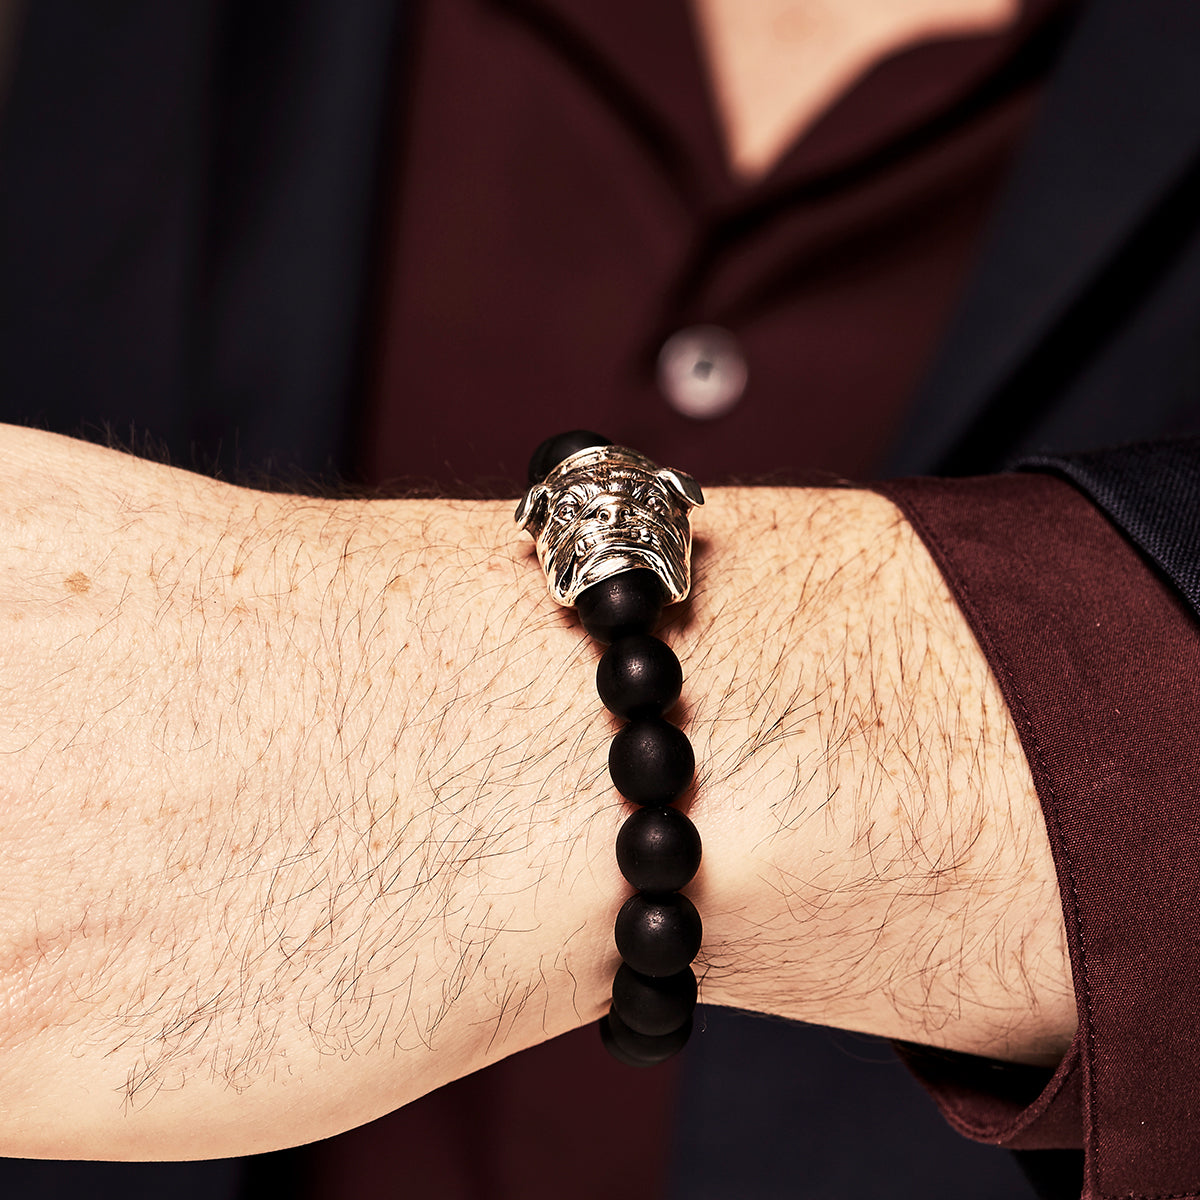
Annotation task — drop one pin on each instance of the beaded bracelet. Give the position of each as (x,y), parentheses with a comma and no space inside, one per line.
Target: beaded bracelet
(613,535)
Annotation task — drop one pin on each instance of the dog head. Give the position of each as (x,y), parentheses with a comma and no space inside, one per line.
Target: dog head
(608,509)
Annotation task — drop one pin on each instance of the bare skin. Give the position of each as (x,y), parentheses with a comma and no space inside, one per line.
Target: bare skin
(777,65)
(305,806)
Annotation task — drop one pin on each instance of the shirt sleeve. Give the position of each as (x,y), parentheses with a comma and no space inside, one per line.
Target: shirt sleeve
(1098,657)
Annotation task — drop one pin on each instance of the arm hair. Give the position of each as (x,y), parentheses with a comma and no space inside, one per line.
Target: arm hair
(306,807)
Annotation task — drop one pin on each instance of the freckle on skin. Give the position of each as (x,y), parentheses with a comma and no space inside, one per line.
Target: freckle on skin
(78,583)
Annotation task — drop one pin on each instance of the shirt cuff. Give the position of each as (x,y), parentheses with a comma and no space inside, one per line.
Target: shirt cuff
(1099,663)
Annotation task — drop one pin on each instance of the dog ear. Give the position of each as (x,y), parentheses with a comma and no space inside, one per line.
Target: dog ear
(531,508)
(682,484)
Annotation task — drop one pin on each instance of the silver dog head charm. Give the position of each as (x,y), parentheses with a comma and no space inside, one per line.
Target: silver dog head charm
(609,509)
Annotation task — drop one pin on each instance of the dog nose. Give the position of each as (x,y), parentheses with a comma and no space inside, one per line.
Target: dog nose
(613,511)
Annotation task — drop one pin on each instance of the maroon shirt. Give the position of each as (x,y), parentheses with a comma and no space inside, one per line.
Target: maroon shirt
(563,208)
(1099,662)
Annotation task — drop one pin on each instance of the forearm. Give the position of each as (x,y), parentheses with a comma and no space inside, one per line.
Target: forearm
(876,804)
(307,802)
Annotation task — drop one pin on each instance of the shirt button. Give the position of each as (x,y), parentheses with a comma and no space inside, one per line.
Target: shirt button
(702,371)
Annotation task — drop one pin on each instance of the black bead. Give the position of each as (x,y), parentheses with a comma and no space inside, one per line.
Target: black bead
(654,1007)
(658,849)
(639,676)
(562,445)
(636,1049)
(621,605)
(651,761)
(658,935)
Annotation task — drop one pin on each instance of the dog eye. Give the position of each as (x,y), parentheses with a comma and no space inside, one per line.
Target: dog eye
(567,508)
(656,504)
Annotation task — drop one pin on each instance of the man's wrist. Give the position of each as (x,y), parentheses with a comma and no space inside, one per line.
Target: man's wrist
(875,854)
(308,800)
(882,859)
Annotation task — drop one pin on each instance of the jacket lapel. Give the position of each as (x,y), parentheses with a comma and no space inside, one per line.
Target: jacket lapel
(1119,127)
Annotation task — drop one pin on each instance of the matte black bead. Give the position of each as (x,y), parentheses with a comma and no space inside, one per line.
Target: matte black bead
(658,849)
(562,445)
(639,676)
(658,935)
(654,1006)
(636,1049)
(651,761)
(621,605)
